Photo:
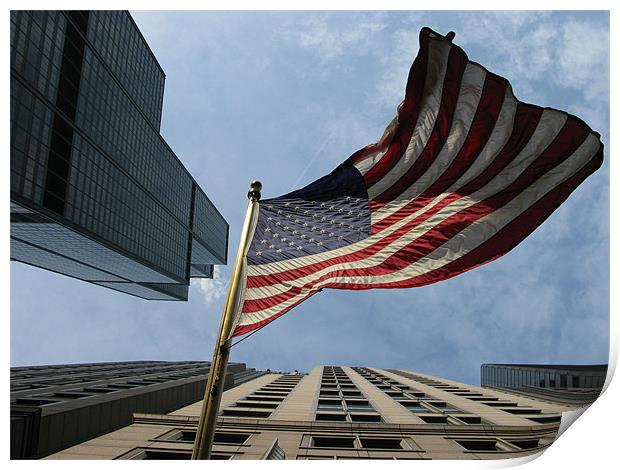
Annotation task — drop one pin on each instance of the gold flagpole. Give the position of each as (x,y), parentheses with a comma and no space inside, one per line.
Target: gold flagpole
(217,371)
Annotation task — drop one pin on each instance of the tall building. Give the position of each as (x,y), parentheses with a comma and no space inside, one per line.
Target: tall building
(344,413)
(58,406)
(96,192)
(577,384)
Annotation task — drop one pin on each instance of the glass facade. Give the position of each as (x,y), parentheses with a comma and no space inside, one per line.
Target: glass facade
(96,192)
(524,376)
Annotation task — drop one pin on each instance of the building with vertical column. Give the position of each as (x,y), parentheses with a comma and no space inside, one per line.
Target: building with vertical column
(338,412)
(57,406)
(96,192)
(578,384)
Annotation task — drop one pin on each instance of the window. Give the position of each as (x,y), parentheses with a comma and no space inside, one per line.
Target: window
(361,405)
(522,411)
(226,438)
(438,419)
(259,404)
(152,454)
(274,394)
(330,404)
(36,401)
(245,413)
(526,444)
(334,442)
(264,398)
(381,444)
(470,419)
(499,403)
(331,417)
(414,407)
(478,445)
(365,418)
(546,419)
(70,394)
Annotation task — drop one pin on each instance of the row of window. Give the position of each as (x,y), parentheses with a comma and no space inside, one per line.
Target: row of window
(428,409)
(34,380)
(262,402)
(44,399)
(533,414)
(235,441)
(514,377)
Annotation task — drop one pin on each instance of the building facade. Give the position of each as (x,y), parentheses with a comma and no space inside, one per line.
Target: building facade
(578,384)
(343,413)
(58,406)
(96,192)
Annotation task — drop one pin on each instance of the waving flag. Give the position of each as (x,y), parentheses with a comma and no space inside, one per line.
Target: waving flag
(461,176)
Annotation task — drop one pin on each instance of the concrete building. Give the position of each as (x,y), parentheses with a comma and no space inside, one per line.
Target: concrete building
(344,413)
(57,406)
(96,192)
(560,383)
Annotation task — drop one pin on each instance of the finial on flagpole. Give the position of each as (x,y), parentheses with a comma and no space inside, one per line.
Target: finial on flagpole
(255,189)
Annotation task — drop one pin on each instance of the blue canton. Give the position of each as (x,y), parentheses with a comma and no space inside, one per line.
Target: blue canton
(330,213)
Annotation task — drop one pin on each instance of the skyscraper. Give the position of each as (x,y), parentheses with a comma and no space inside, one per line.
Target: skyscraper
(96,193)
(562,383)
(338,412)
(57,406)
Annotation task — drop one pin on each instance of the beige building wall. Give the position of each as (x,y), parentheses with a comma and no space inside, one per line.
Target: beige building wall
(344,413)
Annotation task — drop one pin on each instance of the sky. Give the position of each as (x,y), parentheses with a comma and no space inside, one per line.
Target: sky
(284,97)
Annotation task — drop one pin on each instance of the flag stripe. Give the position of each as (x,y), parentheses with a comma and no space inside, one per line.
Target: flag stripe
(514,152)
(566,143)
(564,180)
(495,247)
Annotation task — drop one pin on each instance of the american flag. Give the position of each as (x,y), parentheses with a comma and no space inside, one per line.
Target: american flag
(462,175)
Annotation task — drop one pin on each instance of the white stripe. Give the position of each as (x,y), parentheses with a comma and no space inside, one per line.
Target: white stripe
(549,125)
(438,53)
(464,242)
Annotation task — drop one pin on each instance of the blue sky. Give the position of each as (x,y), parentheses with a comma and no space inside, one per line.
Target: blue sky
(284,98)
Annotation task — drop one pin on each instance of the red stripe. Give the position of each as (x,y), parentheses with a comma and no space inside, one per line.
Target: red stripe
(483,123)
(407,114)
(457,62)
(525,123)
(243,329)
(566,142)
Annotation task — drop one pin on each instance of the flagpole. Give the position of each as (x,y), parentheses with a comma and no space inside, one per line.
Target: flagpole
(217,371)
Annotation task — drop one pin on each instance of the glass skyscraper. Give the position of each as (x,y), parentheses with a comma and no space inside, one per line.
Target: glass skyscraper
(96,192)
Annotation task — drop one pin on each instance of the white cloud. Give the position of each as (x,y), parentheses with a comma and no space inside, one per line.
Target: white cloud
(213,290)
(583,59)
(332,41)
(535,50)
